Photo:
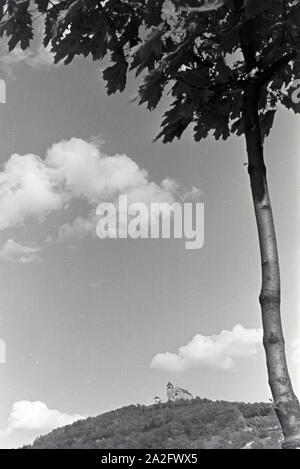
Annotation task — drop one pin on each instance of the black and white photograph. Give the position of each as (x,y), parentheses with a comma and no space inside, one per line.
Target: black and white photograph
(149,228)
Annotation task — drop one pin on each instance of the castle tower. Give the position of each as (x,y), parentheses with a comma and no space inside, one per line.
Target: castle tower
(170,392)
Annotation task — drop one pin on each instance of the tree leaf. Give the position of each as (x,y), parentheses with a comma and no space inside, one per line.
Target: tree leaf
(115,76)
(148,53)
(266,122)
(152,88)
(42,5)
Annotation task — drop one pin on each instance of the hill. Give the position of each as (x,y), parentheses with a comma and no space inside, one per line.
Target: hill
(196,424)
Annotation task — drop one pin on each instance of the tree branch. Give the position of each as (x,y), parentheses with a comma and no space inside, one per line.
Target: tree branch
(270,71)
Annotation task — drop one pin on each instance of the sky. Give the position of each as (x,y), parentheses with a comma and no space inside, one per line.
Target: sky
(89,325)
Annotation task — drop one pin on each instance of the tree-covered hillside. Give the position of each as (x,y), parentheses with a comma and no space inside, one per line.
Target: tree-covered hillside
(197,424)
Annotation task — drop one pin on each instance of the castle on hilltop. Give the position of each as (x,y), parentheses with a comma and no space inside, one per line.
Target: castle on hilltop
(174,393)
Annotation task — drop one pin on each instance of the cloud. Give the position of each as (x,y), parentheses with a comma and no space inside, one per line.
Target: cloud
(28,420)
(296,351)
(15,252)
(27,189)
(26,415)
(36,56)
(216,351)
(83,171)
(77,229)
(32,187)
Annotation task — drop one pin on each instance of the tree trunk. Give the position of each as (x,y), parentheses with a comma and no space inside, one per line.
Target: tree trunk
(286,403)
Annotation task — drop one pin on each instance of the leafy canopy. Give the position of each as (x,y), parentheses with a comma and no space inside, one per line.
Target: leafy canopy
(202,52)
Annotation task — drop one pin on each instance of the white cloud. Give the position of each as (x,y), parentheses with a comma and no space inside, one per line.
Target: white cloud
(296,351)
(216,351)
(28,420)
(36,56)
(84,172)
(26,415)
(78,228)
(33,187)
(15,252)
(27,189)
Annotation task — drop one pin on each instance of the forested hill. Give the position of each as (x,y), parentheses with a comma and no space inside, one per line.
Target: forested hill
(196,424)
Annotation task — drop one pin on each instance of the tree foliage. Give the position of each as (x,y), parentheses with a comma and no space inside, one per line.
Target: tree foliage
(196,424)
(188,48)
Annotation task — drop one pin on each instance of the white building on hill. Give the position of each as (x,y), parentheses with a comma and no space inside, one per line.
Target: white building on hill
(175,393)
